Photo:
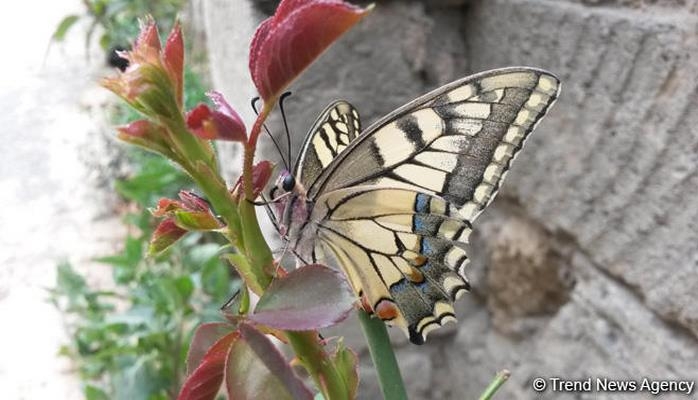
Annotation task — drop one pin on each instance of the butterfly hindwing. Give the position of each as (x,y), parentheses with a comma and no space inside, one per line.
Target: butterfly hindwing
(400,249)
(331,133)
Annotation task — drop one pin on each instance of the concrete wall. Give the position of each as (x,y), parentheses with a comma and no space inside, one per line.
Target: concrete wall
(587,263)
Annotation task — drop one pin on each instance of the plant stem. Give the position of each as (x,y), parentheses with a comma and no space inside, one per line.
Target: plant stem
(256,248)
(311,354)
(496,383)
(251,147)
(383,357)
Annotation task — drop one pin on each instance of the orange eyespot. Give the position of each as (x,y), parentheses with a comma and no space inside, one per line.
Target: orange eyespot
(419,260)
(386,310)
(415,275)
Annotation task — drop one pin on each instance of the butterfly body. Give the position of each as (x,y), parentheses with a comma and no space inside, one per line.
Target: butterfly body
(393,206)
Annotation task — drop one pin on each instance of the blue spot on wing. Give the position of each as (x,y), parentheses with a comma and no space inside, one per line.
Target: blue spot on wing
(425,247)
(421,204)
(419,223)
(399,286)
(423,286)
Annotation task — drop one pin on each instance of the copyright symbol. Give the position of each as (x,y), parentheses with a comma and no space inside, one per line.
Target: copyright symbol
(539,384)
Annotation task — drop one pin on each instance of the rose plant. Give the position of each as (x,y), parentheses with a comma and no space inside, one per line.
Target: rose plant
(239,354)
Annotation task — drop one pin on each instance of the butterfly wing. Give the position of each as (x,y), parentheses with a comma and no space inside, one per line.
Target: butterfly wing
(402,196)
(456,142)
(331,133)
(401,250)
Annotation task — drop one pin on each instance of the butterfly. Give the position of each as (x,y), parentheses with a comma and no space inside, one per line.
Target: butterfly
(392,206)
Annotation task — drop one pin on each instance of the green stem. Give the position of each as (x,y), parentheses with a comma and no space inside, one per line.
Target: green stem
(250,240)
(383,357)
(496,383)
(256,248)
(217,193)
(311,354)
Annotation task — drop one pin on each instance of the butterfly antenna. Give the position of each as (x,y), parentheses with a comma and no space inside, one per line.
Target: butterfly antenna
(283,116)
(270,213)
(273,139)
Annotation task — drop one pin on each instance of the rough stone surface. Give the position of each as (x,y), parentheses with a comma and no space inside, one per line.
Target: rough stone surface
(587,264)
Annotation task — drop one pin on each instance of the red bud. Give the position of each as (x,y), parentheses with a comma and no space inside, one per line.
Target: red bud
(173,59)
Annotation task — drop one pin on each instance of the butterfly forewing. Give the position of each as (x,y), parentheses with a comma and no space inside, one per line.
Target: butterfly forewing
(394,206)
(456,142)
(331,133)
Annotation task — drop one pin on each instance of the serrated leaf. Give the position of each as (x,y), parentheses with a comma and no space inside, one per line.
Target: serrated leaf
(166,234)
(204,337)
(347,364)
(205,381)
(196,220)
(311,297)
(256,370)
(288,42)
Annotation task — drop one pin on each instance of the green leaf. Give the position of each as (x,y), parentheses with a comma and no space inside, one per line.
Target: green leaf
(137,381)
(69,283)
(131,255)
(95,393)
(245,270)
(196,220)
(64,26)
(347,364)
(185,287)
(104,41)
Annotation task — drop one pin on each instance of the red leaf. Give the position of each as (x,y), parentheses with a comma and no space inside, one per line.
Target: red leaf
(288,42)
(260,176)
(193,201)
(200,121)
(173,59)
(140,128)
(205,336)
(165,235)
(311,297)
(223,123)
(146,134)
(261,172)
(148,35)
(255,369)
(205,381)
(166,207)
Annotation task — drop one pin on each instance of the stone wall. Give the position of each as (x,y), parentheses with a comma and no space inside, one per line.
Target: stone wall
(587,263)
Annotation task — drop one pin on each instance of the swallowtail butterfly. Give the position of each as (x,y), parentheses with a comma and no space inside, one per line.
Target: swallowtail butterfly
(393,205)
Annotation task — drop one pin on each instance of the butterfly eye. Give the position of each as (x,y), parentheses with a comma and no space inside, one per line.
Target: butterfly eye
(288,183)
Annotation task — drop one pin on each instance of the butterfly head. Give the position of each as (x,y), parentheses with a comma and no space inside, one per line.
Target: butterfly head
(285,184)
(288,182)
(289,199)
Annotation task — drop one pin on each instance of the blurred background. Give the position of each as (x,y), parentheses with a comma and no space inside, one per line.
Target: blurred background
(586,265)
